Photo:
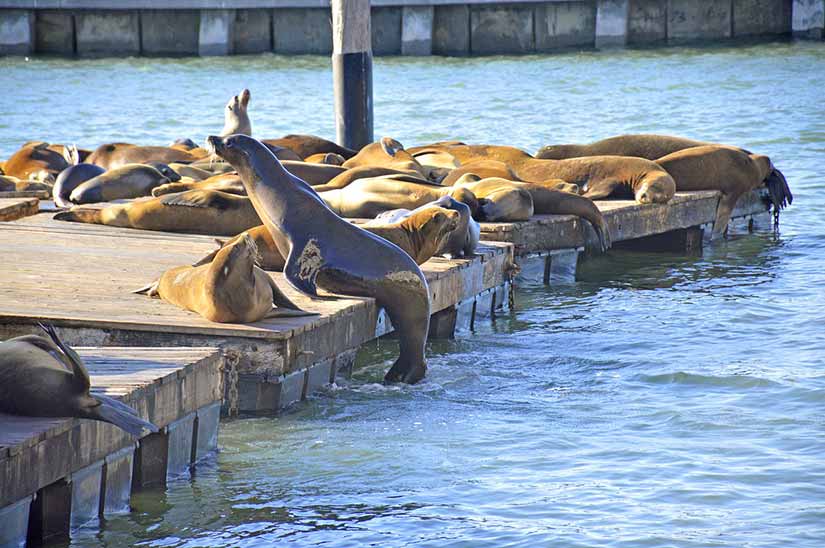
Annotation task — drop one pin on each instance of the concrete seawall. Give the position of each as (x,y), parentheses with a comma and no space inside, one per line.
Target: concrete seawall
(399,27)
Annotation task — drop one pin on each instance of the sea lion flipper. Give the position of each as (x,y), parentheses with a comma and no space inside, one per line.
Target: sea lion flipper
(112,411)
(150,289)
(81,375)
(279,299)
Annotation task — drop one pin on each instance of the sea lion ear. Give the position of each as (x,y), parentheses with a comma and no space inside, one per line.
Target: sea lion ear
(390,145)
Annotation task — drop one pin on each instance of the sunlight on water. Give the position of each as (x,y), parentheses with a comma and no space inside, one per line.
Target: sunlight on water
(660,401)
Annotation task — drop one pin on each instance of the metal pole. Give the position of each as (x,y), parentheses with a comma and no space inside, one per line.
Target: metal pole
(352,72)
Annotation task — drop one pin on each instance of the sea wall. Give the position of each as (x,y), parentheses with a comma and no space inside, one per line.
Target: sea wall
(411,27)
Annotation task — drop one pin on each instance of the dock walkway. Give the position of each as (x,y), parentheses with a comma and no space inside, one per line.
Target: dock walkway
(58,474)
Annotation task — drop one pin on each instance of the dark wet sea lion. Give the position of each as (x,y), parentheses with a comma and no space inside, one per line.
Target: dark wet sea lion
(420,236)
(35,162)
(646,146)
(184,144)
(729,170)
(114,155)
(42,377)
(314,174)
(192,212)
(236,115)
(70,178)
(230,289)
(129,181)
(166,170)
(283,154)
(323,250)
(309,145)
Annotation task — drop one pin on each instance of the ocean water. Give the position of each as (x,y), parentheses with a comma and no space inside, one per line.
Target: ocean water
(658,401)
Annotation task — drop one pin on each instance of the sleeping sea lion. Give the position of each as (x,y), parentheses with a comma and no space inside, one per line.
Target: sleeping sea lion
(114,155)
(225,182)
(323,250)
(42,377)
(70,178)
(236,116)
(230,289)
(193,212)
(13,184)
(326,158)
(129,181)
(35,162)
(386,153)
(308,145)
(646,146)
(347,176)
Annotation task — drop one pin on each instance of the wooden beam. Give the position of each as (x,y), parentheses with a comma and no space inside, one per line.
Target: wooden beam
(352,72)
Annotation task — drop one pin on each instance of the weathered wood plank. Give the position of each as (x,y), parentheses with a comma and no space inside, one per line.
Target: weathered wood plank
(12,208)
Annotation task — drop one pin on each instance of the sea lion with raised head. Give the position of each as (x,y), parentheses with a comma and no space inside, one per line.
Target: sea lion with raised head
(729,170)
(192,212)
(230,289)
(323,250)
(236,115)
(309,145)
(42,377)
(420,236)
(129,181)
(386,153)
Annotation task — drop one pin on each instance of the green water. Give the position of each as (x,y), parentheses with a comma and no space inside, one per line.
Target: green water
(658,401)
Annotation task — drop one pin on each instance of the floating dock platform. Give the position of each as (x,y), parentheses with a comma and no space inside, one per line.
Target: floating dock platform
(59,474)
(79,277)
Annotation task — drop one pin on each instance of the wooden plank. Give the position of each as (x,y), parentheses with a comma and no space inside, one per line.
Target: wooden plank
(163,384)
(16,208)
(627,220)
(39,194)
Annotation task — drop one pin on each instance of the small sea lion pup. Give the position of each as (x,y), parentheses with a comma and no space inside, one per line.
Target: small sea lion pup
(42,377)
(323,250)
(236,116)
(729,170)
(230,289)
(193,212)
(420,236)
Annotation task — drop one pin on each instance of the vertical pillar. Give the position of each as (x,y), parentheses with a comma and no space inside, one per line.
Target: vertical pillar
(14,523)
(215,32)
(151,461)
(352,72)
(808,20)
(16,32)
(417,30)
(611,23)
(50,514)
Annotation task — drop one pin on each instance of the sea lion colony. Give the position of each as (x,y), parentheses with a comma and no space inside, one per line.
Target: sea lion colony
(281,201)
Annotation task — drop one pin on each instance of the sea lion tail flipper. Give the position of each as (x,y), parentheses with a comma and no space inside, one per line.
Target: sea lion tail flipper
(81,375)
(112,411)
(723,212)
(282,301)
(211,257)
(150,289)
(80,215)
(779,190)
(289,313)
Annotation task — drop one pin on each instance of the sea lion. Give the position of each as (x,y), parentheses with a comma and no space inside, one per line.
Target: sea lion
(225,182)
(13,184)
(42,377)
(386,153)
(496,201)
(462,241)
(314,174)
(35,162)
(284,154)
(326,158)
(597,177)
(486,169)
(646,146)
(183,143)
(186,170)
(129,181)
(309,145)
(236,117)
(193,212)
(72,177)
(366,198)
(347,176)
(114,155)
(420,236)
(323,250)
(729,170)
(166,170)
(230,289)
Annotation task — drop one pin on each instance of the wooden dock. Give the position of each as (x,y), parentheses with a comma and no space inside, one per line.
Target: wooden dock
(58,474)
(12,208)
(80,277)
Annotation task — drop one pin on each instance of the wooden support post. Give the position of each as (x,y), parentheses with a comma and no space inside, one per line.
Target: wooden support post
(352,72)
(683,240)
(50,514)
(151,461)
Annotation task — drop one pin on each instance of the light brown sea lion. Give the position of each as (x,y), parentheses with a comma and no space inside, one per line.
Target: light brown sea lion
(42,377)
(193,172)
(421,236)
(485,169)
(646,146)
(129,181)
(728,170)
(236,116)
(326,158)
(546,198)
(230,289)
(346,177)
(387,153)
(13,184)
(225,182)
(314,174)
(366,198)
(308,145)
(35,162)
(192,212)
(114,155)
(597,177)
(323,250)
